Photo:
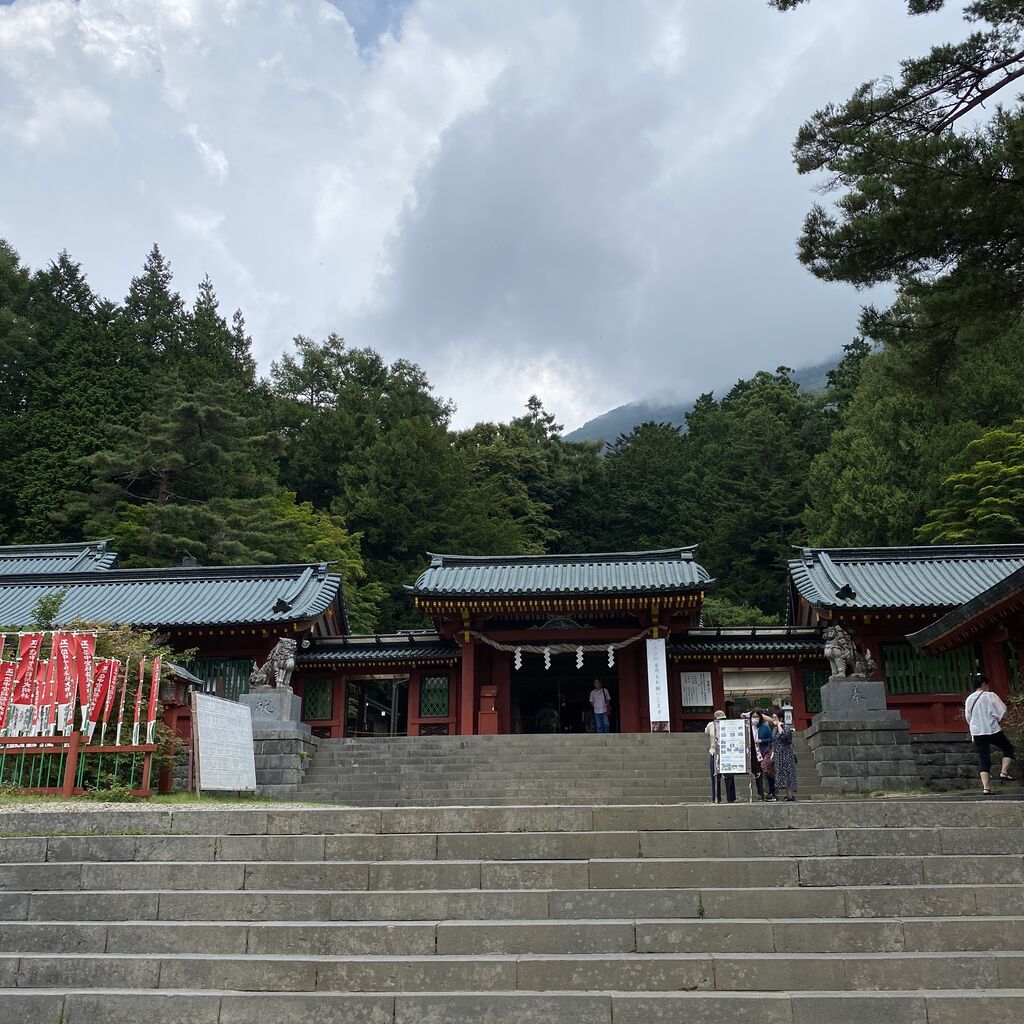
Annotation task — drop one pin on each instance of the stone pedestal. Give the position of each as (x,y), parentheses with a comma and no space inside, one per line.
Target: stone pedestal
(858,744)
(283,744)
(272,706)
(854,700)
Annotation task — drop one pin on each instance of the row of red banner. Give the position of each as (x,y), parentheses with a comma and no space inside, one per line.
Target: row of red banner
(40,697)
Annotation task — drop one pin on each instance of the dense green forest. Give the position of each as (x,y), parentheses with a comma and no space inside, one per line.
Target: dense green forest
(146,420)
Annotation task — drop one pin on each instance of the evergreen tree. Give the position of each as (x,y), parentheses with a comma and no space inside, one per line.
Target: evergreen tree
(984,502)
(153,311)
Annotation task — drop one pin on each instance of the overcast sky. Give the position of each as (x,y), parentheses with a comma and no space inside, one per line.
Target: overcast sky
(592,200)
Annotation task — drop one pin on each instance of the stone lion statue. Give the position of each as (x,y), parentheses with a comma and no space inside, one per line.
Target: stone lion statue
(277,669)
(844,657)
(839,650)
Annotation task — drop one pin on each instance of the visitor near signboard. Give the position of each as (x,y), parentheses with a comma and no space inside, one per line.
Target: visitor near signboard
(714,753)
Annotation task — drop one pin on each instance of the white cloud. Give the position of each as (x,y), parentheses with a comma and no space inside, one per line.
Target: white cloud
(584,201)
(214,160)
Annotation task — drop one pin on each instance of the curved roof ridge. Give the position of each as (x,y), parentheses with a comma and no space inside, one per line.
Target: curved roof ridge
(915,551)
(655,555)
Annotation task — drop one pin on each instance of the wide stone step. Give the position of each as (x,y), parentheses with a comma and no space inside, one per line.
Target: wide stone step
(168,1006)
(923,813)
(842,842)
(594,873)
(473,938)
(703,902)
(655,972)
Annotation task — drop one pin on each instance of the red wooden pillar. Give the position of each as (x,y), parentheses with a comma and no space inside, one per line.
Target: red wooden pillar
(467,691)
(629,689)
(412,711)
(993,660)
(796,697)
(341,706)
(501,676)
(717,688)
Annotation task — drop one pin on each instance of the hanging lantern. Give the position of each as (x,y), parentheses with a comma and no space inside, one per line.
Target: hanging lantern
(611,656)
(547,657)
(579,657)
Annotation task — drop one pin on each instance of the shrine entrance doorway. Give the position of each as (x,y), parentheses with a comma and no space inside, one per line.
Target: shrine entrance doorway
(557,699)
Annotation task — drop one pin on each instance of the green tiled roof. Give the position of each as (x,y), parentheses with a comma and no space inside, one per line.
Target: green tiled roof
(980,610)
(911,577)
(400,647)
(205,595)
(86,556)
(672,570)
(765,640)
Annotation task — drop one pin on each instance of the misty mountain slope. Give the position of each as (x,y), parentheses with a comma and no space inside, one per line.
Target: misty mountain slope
(622,419)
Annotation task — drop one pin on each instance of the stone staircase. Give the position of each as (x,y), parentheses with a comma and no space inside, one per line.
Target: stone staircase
(559,769)
(908,912)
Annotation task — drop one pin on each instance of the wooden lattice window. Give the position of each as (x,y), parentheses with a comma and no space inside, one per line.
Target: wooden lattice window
(227,677)
(317,700)
(814,680)
(434,697)
(908,672)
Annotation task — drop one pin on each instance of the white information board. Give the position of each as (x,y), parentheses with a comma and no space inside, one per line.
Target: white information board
(697,689)
(657,685)
(732,746)
(222,744)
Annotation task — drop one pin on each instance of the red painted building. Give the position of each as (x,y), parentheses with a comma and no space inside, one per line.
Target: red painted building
(883,595)
(518,641)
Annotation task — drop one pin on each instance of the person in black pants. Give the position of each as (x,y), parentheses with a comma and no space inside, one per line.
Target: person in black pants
(984,712)
(711,731)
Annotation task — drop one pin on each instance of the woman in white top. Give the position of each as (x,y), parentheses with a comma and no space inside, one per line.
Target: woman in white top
(984,712)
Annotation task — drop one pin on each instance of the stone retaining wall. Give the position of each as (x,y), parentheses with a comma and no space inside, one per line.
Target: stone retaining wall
(945,760)
(863,756)
(282,757)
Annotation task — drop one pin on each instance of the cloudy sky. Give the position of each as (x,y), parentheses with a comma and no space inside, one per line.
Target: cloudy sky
(587,199)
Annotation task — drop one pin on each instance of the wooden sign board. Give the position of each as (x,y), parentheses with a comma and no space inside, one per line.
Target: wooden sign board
(697,689)
(222,745)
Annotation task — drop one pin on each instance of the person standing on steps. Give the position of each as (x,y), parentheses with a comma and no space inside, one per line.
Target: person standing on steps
(601,702)
(984,712)
(783,757)
(711,730)
(761,765)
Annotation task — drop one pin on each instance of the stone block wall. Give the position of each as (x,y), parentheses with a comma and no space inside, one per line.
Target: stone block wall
(863,756)
(282,757)
(946,760)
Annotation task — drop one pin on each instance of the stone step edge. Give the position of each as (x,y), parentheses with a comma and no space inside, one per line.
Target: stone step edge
(261,820)
(767,861)
(525,922)
(440,958)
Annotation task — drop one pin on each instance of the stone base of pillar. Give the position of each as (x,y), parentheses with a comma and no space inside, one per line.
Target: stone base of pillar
(863,755)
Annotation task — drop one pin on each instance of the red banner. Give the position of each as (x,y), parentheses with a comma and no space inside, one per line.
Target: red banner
(8,670)
(65,646)
(124,697)
(108,704)
(138,702)
(29,646)
(106,678)
(45,714)
(154,693)
(84,657)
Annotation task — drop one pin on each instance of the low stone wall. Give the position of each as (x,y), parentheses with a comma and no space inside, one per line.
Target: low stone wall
(282,757)
(945,760)
(863,756)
